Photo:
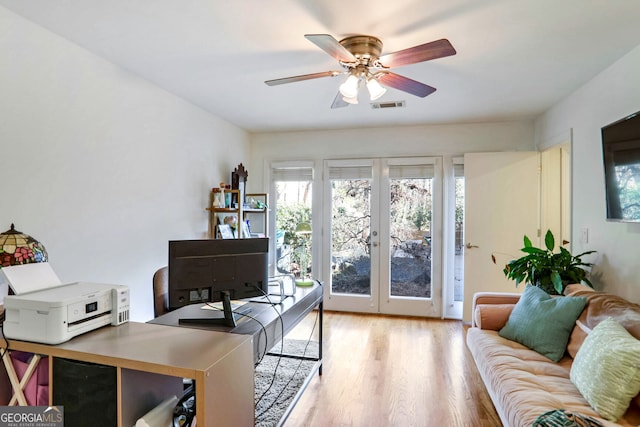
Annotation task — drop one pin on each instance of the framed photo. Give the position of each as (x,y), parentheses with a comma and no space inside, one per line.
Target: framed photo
(225,230)
(246,232)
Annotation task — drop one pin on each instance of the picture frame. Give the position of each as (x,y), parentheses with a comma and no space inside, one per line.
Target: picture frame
(246,232)
(226,232)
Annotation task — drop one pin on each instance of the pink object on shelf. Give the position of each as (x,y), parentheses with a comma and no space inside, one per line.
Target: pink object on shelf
(37,389)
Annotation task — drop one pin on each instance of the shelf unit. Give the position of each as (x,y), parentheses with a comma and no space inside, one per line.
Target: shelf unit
(150,363)
(258,216)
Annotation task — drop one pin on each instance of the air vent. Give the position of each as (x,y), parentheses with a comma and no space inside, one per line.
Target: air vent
(392,104)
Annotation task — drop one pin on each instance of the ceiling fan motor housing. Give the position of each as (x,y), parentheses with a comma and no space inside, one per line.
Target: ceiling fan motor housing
(366,48)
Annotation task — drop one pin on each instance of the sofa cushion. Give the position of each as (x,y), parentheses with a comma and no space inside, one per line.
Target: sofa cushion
(606,369)
(543,323)
(522,383)
(600,306)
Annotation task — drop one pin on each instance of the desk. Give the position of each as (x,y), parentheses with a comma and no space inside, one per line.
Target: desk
(151,362)
(292,310)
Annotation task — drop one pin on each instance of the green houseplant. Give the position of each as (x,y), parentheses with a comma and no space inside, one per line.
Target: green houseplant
(550,271)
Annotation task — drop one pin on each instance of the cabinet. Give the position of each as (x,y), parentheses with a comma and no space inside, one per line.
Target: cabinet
(255,210)
(149,363)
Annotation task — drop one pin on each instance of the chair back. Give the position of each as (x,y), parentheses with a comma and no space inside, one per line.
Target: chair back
(161,291)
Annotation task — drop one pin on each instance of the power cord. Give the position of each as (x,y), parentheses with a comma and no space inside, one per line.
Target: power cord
(273,378)
(262,327)
(304,353)
(5,349)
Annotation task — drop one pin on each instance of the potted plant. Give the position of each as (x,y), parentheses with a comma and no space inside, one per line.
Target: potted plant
(549,271)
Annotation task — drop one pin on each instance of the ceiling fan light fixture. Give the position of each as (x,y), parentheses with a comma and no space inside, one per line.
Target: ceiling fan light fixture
(352,100)
(349,89)
(375,89)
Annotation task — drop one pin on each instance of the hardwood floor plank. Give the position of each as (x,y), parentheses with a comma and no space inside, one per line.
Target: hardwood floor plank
(394,371)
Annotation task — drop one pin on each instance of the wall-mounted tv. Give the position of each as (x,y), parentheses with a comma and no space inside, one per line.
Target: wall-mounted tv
(621,154)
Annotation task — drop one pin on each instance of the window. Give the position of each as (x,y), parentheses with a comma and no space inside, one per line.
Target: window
(292,184)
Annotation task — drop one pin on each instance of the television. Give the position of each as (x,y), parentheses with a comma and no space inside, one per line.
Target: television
(621,155)
(217,270)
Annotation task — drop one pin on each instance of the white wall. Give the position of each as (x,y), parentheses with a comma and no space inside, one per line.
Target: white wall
(389,142)
(99,165)
(612,95)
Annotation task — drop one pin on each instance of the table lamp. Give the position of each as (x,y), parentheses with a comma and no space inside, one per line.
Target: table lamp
(18,248)
(304,230)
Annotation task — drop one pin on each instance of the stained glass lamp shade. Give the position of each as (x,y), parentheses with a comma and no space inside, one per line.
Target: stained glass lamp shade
(19,248)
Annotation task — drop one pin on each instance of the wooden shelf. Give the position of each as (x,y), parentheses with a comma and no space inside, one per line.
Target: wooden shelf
(258,217)
(164,355)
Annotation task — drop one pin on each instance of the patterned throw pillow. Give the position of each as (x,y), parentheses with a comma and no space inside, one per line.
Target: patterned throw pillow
(606,369)
(543,323)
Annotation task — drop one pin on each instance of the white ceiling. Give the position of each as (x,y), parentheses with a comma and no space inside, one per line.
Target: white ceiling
(516,58)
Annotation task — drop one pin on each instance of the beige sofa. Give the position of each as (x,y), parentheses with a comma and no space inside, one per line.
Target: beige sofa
(524,384)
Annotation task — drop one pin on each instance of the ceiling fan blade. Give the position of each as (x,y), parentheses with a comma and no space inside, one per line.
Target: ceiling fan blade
(302,77)
(330,45)
(406,84)
(420,53)
(339,102)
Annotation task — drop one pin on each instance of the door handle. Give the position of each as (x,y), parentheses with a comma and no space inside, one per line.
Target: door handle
(469,246)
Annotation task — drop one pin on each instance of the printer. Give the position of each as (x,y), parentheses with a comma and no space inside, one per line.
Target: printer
(52,313)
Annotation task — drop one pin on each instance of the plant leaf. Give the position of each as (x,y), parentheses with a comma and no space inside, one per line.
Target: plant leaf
(585,253)
(557,282)
(549,241)
(527,242)
(532,250)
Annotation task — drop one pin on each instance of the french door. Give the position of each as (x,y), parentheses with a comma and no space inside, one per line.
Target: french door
(382,248)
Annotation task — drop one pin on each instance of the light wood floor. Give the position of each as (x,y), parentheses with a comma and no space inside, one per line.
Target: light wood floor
(394,371)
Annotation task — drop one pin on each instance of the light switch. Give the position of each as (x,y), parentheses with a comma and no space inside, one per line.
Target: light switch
(584,235)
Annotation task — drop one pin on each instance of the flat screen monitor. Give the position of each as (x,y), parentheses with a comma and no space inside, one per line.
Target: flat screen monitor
(621,154)
(213,270)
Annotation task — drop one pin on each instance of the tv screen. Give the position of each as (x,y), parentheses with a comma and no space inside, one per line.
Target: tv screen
(621,153)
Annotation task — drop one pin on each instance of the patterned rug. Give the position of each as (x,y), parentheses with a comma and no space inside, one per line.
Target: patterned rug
(279,379)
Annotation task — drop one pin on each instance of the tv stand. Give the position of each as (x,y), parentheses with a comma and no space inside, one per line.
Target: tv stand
(228,319)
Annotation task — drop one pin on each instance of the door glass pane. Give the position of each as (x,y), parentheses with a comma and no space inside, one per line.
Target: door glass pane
(350,236)
(458,263)
(410,237)
(293,237)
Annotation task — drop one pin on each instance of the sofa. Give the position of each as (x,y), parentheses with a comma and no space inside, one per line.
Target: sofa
(525,384)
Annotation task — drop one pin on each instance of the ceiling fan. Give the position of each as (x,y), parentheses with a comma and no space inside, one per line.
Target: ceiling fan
(359,56)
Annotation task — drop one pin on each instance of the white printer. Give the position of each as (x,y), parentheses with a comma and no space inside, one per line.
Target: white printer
(52,313)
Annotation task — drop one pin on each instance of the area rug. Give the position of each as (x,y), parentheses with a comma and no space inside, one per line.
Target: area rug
(278,380)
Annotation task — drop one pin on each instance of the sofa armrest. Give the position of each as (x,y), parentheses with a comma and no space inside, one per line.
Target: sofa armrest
(491,310)
(492,316)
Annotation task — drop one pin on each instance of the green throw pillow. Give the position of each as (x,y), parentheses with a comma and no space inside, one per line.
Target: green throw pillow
(543,323)
(606,369)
